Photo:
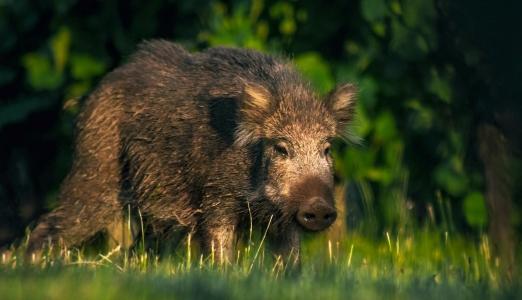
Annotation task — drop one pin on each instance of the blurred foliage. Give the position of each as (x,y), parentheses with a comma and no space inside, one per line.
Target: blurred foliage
(419,90)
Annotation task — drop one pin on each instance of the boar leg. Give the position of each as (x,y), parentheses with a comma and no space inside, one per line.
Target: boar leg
(122,232)
(218,241)
(90,195)
(286,244)
(84,212)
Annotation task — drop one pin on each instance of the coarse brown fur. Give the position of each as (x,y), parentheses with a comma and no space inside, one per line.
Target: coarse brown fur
(199,142)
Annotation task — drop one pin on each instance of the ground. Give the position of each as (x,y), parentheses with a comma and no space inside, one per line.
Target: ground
(425,264)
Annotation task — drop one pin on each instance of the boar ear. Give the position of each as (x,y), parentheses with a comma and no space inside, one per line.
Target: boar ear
(256,99)
(255,104)
(341,103)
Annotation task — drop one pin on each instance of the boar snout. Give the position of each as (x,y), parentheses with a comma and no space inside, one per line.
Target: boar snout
(316,209)
(316,214)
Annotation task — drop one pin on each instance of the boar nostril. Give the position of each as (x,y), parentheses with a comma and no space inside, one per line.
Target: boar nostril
(308,217)
(330,217)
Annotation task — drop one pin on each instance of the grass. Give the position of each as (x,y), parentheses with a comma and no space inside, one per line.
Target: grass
(424,264)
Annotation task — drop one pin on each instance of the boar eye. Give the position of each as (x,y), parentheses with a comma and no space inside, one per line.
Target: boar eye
(327,149)
(281,150)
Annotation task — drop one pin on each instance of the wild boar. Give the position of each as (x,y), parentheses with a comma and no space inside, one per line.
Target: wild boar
(207,142)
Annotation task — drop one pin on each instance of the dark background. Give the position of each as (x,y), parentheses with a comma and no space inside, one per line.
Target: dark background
(439,106)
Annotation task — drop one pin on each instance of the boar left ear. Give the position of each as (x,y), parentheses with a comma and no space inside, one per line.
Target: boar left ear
(341,103)
(255,104)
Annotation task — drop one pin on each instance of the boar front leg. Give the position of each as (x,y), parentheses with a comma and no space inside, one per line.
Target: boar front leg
(218,242)
(286,244)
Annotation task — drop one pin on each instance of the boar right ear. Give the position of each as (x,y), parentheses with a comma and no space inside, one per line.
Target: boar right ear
(254,106)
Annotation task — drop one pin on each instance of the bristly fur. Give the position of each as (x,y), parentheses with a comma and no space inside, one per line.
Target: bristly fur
(199,141)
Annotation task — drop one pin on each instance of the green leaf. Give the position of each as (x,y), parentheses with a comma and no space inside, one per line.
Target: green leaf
(60,43)
(368,89)
(287,26)
(373,10)
(420,15)
(385,128)
(78,89)
(379,28)
(84,66)
(440,86)
(281,10)
(421,116)
(393,152)
(362,124)
(382,175)
(41,75)
(452,182)
(475,211)
(313,66)
(395,7)
(238,29)
(354,163)
(406,43)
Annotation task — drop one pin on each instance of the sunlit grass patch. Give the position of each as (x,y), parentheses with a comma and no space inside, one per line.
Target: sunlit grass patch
(421,264)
